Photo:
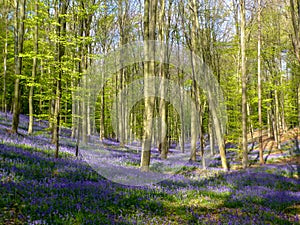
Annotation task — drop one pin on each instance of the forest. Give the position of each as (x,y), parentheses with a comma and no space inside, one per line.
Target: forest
(149,112)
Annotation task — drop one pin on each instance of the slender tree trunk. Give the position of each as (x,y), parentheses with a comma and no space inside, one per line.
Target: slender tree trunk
(102,110)
(220,138)
(298,104)
(33,74)
(194,129)
(102,114)
(74,85)
(4,103)
(181,96)
(61,32)
(244,85)
(84,113)
(295,15)
(211,136)
(282,107)
(19,39)
(194,45)
(57,117)
(202,147)
(182,133)
(277,120)
(259,88)
(163,108)
(269,123)
(122,17)
(74,113)
(236,16)
(41,90)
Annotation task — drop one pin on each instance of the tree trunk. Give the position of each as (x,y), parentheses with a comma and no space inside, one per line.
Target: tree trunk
(4,103)
(259,88)
(102,114)
(163,107)
(74,103)
(298,104)
(277,120)
(211,136)
(122,18)
(182,133)
(61,32)
(149,34)
(33,74)
(295,14)
(244,86)
(194,45)
(19,39)
(194,135)
(202,147)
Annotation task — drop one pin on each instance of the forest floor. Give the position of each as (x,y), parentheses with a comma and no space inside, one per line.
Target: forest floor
(35,188)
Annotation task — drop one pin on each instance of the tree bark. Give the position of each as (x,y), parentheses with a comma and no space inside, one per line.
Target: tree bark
(194,44)
(34,69)
(61,33)
(122,17)
(211,136)
(244,86)
(259,87)
(295,15)
(4,102)
(19,40)
(163,69)
(149,34)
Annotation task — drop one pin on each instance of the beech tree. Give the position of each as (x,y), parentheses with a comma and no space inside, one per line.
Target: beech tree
(19,40)
(244,84)
(34,67)
(150,8)
(61,35)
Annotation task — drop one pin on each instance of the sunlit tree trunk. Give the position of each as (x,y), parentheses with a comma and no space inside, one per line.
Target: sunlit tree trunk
(244,85)
(149,34)
(163,107)
(211,135)
(194,45)
(182,133)
(102,112)
(277,120)
(74,103)
(194,129)
(122,18)
(85,27)
(259,88)
(34,70)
